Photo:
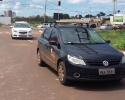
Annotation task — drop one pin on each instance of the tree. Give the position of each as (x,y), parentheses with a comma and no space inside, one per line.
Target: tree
(101,14)
(66,16)
(110,15)
(72,17)
(78,16)
(88,16)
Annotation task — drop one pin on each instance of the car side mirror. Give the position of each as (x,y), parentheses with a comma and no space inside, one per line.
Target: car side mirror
(108,41)
(11,26)
(52,43)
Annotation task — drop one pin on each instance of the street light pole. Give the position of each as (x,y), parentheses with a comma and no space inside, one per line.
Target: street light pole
(115,4)
(90,12)
(45,12)
(59,3)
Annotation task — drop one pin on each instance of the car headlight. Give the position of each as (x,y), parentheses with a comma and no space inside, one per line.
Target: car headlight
(75,60)
(14,30)
(30,31)
(123,59)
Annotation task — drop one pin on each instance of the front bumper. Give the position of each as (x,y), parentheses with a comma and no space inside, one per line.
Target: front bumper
(18,35)
(91,73)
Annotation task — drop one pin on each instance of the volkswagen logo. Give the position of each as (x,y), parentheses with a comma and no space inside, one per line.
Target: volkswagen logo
(105,63)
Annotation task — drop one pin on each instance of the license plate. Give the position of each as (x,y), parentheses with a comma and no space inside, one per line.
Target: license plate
(107,71)
(23,36)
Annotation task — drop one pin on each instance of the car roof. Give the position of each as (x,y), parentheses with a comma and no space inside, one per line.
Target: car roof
(20,22)
(65,26)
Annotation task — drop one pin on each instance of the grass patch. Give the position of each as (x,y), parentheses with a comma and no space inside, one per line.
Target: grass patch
(1,24)
(34,25)
(117,37)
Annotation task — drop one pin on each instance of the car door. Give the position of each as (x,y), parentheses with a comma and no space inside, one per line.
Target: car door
(52,50)
(43,42)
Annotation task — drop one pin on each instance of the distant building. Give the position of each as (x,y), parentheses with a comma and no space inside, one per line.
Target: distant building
(13,14)
(5,13)
(9,13)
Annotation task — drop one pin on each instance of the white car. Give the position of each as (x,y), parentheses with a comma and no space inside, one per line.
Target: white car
(43,25)
(21,29)
(106,26)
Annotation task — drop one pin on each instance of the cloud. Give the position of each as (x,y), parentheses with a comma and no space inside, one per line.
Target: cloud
(64,1)
(17,5)
(76,1)
(35,6)
(43,1)
(104,1)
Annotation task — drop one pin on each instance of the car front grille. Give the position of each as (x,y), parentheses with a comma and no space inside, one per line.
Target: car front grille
(100,63)
(23,32)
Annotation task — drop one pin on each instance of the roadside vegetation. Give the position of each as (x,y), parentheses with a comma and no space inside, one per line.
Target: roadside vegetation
(1,24)
(117,38)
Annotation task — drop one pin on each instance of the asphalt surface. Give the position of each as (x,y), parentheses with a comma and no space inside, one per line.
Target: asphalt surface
(22,79)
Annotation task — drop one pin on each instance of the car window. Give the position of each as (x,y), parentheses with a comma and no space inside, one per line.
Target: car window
(53,36)
(47,33)
(21,25)
(72,35)
(95,37)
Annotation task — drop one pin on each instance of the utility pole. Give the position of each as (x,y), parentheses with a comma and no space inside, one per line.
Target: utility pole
(115,4)
(59,4)
(45,12)
(90,12)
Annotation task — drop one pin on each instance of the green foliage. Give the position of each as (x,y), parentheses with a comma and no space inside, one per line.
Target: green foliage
(35,19)
(66,16)
(116,37)
(101,14)
(89,16)
(1,24)
(80,16)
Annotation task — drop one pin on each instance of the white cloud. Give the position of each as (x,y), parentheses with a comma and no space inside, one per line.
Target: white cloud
(17,6)
(56,1)
(35,6)
(101,1)
(43,1)
(76,1)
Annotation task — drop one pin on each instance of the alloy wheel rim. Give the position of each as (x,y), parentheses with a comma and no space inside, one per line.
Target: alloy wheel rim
(61,73)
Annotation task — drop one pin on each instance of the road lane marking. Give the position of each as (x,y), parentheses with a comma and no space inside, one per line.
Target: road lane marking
(30,40)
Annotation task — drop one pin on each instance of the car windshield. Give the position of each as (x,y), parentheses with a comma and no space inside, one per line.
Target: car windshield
(80,35)
(21,25)
(103,25)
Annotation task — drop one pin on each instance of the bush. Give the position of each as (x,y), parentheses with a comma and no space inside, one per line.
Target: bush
(116,37)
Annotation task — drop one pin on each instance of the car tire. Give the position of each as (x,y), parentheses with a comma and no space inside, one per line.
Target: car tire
(62,74)
(39,60)
(12,37)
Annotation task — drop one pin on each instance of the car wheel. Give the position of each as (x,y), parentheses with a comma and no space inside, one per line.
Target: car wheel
(62,74)
(39,60)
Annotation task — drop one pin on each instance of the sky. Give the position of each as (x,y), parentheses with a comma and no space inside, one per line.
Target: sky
(71,7)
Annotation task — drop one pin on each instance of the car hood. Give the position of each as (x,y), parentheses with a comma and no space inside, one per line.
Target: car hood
(93,51)
(22,29)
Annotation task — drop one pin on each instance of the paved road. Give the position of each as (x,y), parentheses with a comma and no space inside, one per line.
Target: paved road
(22,79)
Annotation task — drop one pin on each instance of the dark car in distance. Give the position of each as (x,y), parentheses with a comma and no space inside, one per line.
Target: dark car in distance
(79,53)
